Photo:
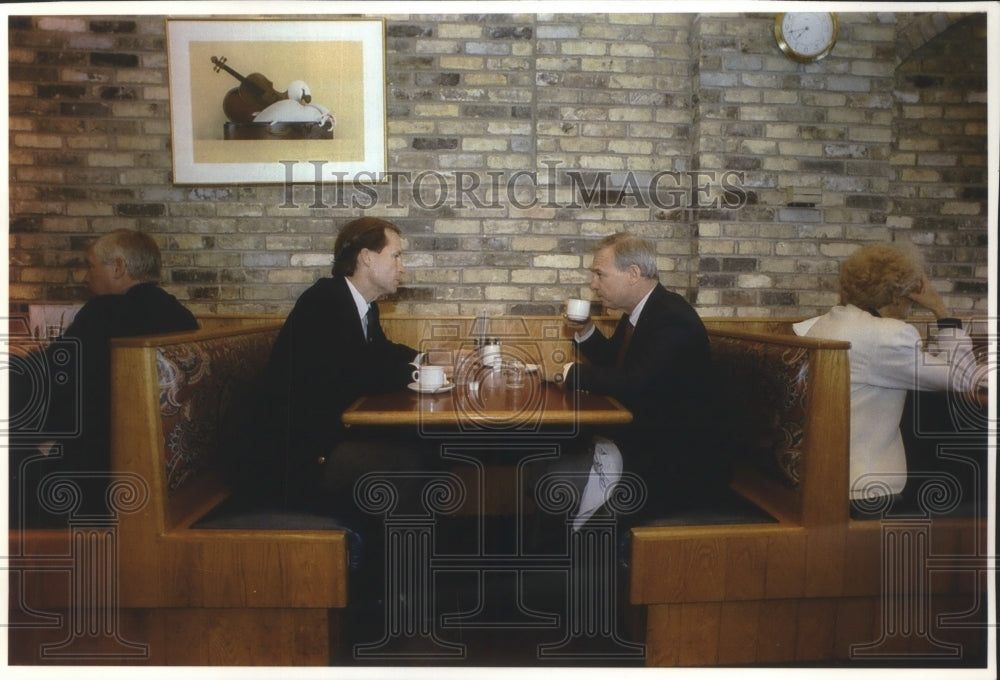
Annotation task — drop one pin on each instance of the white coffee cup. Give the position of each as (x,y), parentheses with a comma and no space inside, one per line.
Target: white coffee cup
(429,377)
(577,310)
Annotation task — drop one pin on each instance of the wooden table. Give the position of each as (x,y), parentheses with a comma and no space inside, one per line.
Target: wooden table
(491,407)
(469,418)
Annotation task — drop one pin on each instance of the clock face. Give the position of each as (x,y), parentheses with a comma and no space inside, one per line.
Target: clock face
(806,36)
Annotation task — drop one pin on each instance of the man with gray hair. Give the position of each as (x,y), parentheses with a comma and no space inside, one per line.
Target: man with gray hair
(123,270)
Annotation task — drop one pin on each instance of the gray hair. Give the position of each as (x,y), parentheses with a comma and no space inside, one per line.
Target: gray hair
(138,250)
(629,250)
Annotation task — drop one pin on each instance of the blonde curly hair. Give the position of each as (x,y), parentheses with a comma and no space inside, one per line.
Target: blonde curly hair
(878,274)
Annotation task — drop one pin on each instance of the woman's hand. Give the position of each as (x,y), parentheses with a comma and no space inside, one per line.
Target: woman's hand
(927,297)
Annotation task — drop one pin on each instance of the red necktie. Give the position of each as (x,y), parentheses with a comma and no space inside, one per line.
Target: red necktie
(626,339)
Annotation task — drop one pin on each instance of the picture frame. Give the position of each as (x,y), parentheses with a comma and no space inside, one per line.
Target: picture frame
(233,120)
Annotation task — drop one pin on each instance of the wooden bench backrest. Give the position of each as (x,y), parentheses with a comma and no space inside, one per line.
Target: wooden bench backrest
(171,394)
(786,403)
(210,322)
(786,394)
(413,329)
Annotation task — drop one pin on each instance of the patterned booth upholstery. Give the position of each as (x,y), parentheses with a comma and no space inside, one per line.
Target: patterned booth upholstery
(761,388)
(203,386)
(199,382)
(761,401)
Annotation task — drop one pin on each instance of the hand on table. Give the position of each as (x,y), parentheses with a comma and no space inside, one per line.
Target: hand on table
(558,375)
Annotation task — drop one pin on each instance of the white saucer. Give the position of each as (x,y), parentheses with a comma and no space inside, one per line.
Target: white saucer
(415,386)
(531,368)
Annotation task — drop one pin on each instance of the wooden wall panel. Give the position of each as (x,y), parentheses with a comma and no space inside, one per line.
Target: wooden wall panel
(746,569)
(777,629)
(814,631)
(192,637)
(817,620)
(698,640)
(738,628)
(825,561)
(856,620)
(863,551)
(786,565)
(663,626)
(704,570)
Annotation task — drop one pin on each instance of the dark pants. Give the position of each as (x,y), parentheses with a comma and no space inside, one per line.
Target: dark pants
(368,480)
(378,474)
(665,477)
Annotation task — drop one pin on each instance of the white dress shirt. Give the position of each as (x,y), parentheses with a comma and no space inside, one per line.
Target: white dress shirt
(362,304)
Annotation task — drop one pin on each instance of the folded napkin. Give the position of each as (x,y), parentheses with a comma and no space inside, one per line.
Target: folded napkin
(605,472)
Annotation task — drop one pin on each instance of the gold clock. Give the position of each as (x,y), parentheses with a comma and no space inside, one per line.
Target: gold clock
(806,36)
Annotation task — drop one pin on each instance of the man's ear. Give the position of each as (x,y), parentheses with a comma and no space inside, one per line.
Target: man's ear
(118,268)
(634,273)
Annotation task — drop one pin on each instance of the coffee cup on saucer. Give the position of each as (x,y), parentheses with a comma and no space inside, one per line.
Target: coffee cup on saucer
(429,377)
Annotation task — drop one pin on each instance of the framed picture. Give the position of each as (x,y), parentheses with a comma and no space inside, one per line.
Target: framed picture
(263,101)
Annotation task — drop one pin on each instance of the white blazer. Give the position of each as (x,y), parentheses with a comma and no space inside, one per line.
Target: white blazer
(888,358)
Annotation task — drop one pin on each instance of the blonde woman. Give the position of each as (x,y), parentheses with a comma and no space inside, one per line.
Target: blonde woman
(879,286)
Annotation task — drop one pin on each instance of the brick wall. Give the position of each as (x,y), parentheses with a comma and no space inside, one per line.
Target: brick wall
(938,156)
(754,175)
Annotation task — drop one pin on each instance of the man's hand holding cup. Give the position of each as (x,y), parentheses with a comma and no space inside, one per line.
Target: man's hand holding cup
(576,318)
(577,315)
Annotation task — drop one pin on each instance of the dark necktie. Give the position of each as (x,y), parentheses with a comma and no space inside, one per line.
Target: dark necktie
(370,321)
(626,339)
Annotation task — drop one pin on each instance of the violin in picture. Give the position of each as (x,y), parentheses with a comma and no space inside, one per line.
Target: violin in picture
(254,93)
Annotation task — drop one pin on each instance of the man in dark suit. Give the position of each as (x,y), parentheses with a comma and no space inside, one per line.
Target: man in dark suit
(657,364)
(123,268)
(331,351)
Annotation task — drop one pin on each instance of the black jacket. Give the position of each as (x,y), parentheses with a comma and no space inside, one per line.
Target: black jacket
(665,380)
(64,395)
(144,309)
(319,365)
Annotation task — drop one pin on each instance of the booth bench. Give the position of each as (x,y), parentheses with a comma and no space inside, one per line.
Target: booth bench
(784,575)
(179,579)
(796,579)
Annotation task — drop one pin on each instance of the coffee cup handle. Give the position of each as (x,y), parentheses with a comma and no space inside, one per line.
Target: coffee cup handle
(416,376)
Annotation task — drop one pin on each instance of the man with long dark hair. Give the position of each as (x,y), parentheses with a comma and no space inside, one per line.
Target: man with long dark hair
(331,351)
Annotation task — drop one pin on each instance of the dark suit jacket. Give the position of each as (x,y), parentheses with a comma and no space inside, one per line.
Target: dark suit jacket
(80,407)
(143,309)
(664,381)
(319,365)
